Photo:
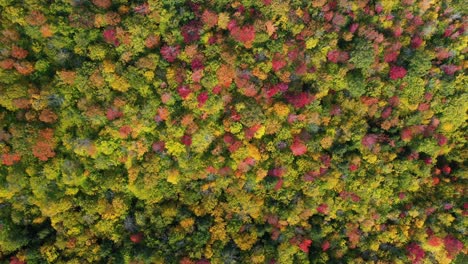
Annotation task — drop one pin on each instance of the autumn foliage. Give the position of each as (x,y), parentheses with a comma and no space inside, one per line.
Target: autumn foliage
(198,132)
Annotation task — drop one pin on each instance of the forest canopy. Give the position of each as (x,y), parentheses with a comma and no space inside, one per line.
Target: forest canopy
(248,131)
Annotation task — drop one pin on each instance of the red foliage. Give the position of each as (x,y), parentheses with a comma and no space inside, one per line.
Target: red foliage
(353,27)
(441,140)
(300,99)
(250,132)
(190,32)
(353,167)
(298,148)
(325,245)
(152,41)
(323,209)
(424,107)
(278,62)
(446,169)
(137,237)
(15,260)
(202,98)
(279,184)
(394,101)
(397,72)
(434,241)
(24,67)
(336,56)
(387,112)
(186,140)
(277,172)
(184,91)
(7,64)
(110,36)
(369,100)
(305,244)
(170,53)
(158,146)
(415,253)
(9,159)
(18,53)
(43,150)
(245,34)
(416,42)
(125,131)
(428,161)
(113,113)
(210,18)
(369,140)
(450,69)
(44,147)
(197,64)
(391,57)
(406,134)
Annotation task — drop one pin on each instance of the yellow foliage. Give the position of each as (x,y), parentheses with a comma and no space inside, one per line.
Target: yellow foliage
(254,152)
(187,223)
(311,43)
(218,232)
(326,142)
(281,109)
(260,132)
(119,83)
(245,241)
(173,176)
(223,20)
(447,127)
(108,66)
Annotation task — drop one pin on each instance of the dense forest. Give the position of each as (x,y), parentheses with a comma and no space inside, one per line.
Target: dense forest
(219,131)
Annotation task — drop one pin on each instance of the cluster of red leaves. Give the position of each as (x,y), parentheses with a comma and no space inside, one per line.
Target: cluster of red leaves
(184,91)
(110,36)
(191,32)
(202,98)
(300,99)
(244,34)
(24,67)
(209,18)
(125,131)
(18,53)
(397,72)
(415,253)
(9,159)
(16,260)
(278,62)
(113,114)
(369,140)
(44,147)
(152,41)
(323,209)
(186,140)
(170,53)
(298,147)
(158,146)
(336,56)
(303,243)
(453,246)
